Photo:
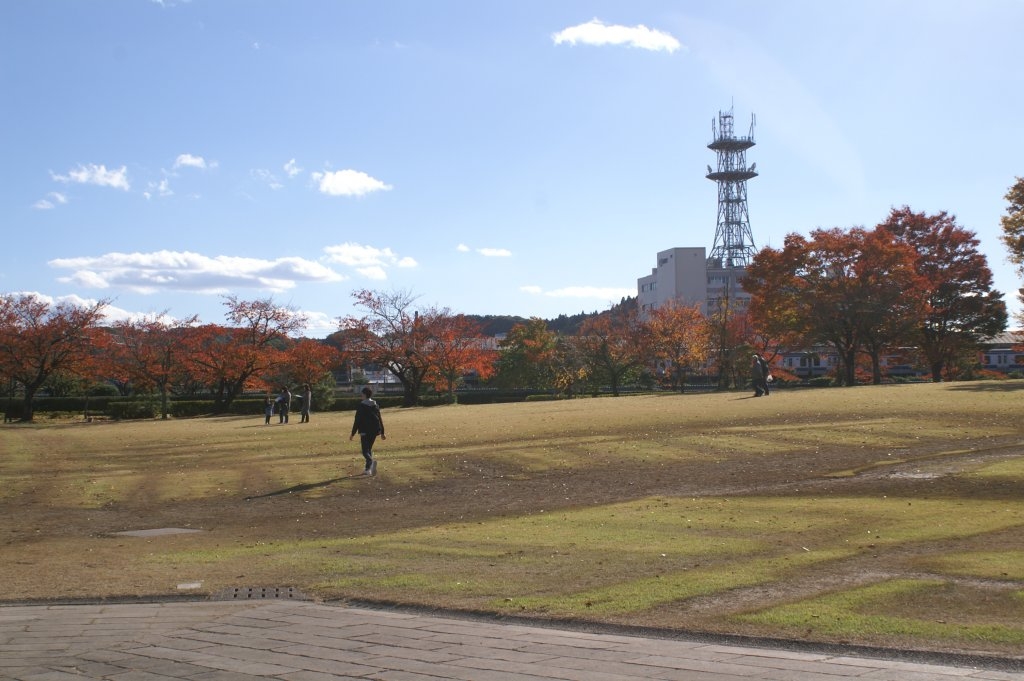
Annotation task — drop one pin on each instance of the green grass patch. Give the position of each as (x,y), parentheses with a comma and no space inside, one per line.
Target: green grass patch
(886,611)
(1002,565)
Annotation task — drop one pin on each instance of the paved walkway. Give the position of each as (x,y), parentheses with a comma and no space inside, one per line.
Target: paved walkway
(303,641)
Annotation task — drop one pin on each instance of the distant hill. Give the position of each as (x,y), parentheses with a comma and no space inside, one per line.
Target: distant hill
(494,325)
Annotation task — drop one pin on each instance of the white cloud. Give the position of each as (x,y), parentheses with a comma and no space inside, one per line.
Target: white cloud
(596,32)
(291,168)
(608,293)
(98,175)
(494,252)
(369,261)
(53,198)
(185,271)
(348,183)
(462,248)
(320,322)
(161,188)
(190,161)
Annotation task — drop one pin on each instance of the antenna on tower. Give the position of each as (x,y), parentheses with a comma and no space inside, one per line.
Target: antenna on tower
(734,243)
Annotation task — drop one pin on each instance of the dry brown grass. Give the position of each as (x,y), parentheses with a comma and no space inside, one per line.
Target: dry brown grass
(782,516)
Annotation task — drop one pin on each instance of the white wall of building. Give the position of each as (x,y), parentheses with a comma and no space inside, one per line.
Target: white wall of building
(681,275)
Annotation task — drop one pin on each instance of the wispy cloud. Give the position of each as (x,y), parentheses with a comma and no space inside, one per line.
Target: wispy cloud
(267,177)
(291,168)
(494,252)
(97,175)
(347,183)
(161,188)
(596,32)
(486,252)
(369,261)
(185,271)
(51,201)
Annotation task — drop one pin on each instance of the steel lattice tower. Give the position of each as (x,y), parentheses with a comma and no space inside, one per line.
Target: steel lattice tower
(734,244)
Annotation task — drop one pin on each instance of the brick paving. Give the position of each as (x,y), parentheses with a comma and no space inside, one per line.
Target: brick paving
(305,641)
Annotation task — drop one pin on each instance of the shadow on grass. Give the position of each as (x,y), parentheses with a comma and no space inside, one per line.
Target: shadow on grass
(1007,386)
(305,487)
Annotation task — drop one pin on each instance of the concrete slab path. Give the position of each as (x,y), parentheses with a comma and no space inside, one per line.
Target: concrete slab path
(305,641)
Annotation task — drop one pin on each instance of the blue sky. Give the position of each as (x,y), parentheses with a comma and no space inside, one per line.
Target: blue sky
(526,158)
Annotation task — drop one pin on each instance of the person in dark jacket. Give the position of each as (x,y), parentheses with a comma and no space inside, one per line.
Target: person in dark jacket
(284,403)
(307,402)
(369,424)
(759,372)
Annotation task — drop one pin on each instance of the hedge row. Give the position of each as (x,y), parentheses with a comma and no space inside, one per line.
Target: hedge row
(148,407)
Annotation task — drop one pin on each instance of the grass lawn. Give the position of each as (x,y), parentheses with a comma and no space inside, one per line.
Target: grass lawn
(882,515)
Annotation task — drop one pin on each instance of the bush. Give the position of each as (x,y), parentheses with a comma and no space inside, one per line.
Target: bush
(143,408)
(820,382)
(492,396)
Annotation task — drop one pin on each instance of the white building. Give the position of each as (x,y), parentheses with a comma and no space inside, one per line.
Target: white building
(686,276)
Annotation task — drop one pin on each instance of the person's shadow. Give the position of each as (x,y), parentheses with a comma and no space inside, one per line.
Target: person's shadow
(305,487)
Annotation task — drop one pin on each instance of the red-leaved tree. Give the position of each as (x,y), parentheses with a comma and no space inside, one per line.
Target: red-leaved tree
(39,339)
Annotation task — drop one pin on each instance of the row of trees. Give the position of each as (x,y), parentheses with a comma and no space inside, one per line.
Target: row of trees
(56,346)
(914,280)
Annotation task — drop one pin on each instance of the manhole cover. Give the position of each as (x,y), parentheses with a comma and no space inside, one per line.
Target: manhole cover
(157,532)
(256,593)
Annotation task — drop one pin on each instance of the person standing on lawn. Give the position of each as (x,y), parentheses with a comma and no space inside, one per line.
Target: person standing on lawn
(284,403)
(307,399)
(369,424)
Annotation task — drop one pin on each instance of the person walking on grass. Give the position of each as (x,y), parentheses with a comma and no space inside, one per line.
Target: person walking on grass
(369,424)
(268,410)
(759,373)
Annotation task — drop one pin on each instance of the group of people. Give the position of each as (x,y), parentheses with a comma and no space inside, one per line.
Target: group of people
(283,404)
(369,424)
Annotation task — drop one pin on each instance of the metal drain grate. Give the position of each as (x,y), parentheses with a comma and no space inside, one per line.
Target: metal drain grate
(256,593)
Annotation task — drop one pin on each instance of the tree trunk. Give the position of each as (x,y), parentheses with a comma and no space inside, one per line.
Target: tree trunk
(28,408)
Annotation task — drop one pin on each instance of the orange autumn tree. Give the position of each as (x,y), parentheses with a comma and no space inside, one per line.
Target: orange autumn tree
(456,347)
(310,361)
(613,345)
(850,289)
(960,306)
(39,340)
(528,356)
(230,359)
(680,337)
(151,352)
(390,335)
(1013,232)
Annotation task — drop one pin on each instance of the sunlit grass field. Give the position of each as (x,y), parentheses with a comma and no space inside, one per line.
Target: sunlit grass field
(882,515)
